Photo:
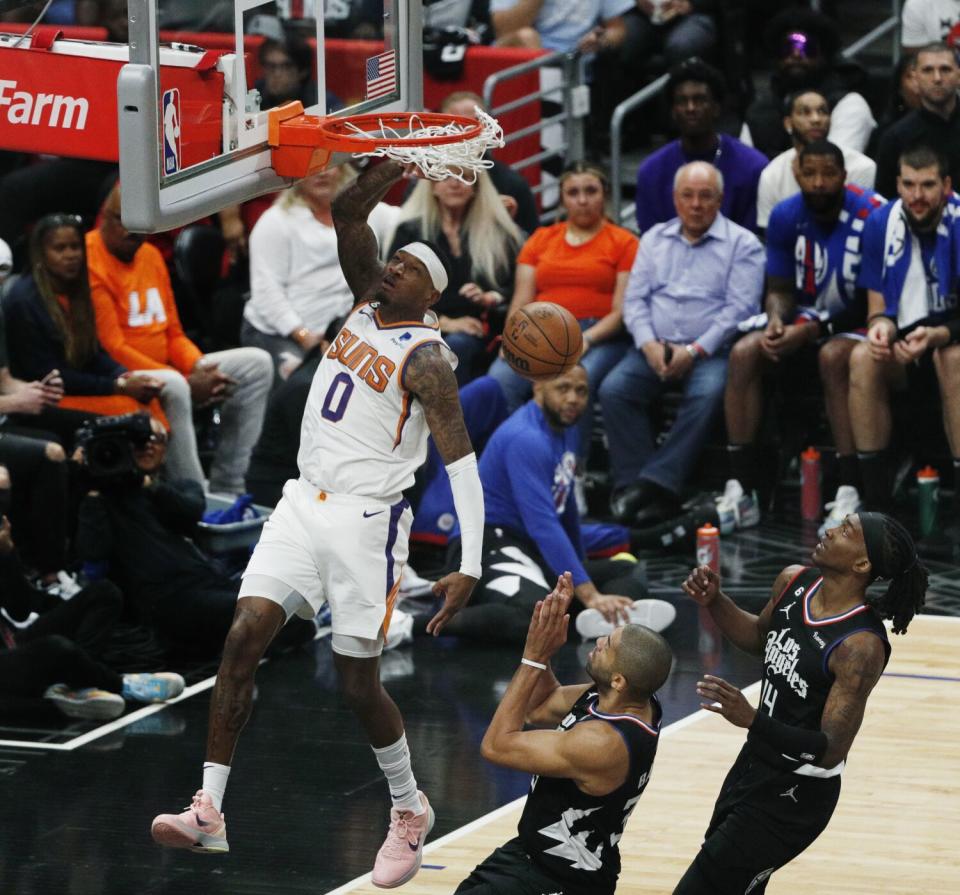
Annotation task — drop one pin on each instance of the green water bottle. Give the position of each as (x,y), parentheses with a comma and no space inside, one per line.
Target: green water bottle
(928,499)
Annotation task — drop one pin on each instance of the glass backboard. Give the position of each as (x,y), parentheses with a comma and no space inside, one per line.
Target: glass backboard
(194,98)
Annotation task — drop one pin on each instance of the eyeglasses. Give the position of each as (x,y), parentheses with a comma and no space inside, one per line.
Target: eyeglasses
(52,221)
(158,438)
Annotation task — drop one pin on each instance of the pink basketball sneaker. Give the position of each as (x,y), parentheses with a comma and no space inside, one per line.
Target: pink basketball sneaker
(402,851)
(200,828)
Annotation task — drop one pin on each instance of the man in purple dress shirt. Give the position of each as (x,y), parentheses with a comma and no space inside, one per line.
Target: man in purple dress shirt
(695,92)
(694,279)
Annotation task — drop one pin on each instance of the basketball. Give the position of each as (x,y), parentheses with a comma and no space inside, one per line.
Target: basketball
(541,340)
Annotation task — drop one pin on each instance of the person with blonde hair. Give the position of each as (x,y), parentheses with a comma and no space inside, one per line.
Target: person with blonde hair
(296,286)
(471,225)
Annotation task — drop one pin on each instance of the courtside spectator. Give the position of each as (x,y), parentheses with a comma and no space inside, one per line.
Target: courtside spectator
(803,45)
(695,92)
(471,225)
(582,263)
(936,123)
(694,280)
(815,314)
(138,324)
(806,120)
(297,289)
(142,530)
(51,332)
(506,181)
(910,269)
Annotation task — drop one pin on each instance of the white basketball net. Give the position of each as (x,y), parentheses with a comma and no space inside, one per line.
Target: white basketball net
(438,162)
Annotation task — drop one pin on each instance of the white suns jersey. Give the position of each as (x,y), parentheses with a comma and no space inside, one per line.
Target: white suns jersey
(363,433)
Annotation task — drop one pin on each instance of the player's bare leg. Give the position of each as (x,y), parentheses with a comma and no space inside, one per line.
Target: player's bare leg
(201,826)
(411,817)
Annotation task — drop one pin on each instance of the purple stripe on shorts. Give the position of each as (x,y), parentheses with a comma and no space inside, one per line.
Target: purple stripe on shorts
(396,511)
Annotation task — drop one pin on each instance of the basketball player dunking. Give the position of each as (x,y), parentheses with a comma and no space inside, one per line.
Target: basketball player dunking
(824,647)
(590,771)
(339,533)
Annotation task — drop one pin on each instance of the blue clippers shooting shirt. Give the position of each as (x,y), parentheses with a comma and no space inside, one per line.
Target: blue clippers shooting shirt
(527,472)
(823,264)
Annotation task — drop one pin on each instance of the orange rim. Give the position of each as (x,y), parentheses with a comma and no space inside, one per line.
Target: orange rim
(338,136)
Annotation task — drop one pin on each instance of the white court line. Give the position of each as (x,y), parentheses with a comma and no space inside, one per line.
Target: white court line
(488,818)
(145,712)
(104,729)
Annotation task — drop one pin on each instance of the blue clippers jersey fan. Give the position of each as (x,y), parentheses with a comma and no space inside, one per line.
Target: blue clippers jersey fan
(527,473)
(823,264)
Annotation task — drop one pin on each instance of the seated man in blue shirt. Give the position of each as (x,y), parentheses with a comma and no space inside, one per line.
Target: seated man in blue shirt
(814,312)
(911,264)
(695,92)
(532,531)
(694,280)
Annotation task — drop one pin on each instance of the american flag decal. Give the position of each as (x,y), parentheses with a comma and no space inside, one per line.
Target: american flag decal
(381,74)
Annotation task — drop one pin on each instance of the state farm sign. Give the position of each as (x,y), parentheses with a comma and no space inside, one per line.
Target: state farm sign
(49,109)
(66,104)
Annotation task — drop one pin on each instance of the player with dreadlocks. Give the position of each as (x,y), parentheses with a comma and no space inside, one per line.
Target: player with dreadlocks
(824,647)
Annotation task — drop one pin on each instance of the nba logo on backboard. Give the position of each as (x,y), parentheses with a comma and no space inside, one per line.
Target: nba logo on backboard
(171,131)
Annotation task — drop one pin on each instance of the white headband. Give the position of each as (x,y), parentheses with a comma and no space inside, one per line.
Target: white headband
(432,262)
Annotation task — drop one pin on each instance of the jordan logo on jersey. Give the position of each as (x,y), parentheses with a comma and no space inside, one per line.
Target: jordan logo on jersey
(372,367)
(781,658)
(786,610)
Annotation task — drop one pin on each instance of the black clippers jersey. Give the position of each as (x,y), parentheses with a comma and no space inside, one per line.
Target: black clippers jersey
(796,677)
(573,836)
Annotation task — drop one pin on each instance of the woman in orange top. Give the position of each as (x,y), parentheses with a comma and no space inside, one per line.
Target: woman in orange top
(50,326)
(583,263)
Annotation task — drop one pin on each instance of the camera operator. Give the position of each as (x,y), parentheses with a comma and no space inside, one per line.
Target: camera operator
(141,524)
(53,649)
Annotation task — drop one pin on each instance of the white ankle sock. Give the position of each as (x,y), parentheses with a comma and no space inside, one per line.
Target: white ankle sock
(215,781)
(394,761)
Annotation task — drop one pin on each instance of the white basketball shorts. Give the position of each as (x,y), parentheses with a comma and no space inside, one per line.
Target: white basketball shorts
(345,550)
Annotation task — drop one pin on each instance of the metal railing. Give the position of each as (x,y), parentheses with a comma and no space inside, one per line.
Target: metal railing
(571,95)
(622,213)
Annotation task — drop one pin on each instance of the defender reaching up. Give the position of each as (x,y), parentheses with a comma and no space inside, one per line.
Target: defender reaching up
(339,534)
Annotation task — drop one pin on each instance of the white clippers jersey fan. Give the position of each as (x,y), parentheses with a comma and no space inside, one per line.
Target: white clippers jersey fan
(363,433)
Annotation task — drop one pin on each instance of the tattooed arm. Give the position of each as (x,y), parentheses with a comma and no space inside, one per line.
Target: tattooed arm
(429,376)
(856,664)
(356,243)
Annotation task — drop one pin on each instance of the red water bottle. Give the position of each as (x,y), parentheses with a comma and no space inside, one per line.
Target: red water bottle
(708,547)
(811,500)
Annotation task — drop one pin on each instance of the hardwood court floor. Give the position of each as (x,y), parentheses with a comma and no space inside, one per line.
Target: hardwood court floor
(890,833)
(307,806)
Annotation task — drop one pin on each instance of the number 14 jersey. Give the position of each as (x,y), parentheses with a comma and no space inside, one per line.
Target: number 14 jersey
(796,673)
(363,433)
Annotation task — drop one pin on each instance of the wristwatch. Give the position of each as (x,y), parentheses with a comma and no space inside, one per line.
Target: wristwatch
(692,351)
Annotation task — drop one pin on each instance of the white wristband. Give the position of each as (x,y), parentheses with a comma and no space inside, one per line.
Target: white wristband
(533,664)
(468,502)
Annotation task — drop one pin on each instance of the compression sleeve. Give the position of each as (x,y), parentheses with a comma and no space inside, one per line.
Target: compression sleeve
(468,501)
(795,744)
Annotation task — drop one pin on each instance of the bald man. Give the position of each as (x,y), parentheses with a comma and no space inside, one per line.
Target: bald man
(694,279)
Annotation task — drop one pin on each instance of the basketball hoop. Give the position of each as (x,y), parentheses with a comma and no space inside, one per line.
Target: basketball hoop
(439,145)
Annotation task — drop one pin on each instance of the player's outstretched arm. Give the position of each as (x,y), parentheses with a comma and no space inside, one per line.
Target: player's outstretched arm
(428,375)
(593,755)
(743,629)
(357,245)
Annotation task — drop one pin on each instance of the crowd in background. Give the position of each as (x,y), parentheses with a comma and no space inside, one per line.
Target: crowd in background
(805,254)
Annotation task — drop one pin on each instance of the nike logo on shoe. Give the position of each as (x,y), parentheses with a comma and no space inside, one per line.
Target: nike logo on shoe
(414,846)
(200,821)
(367,515)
